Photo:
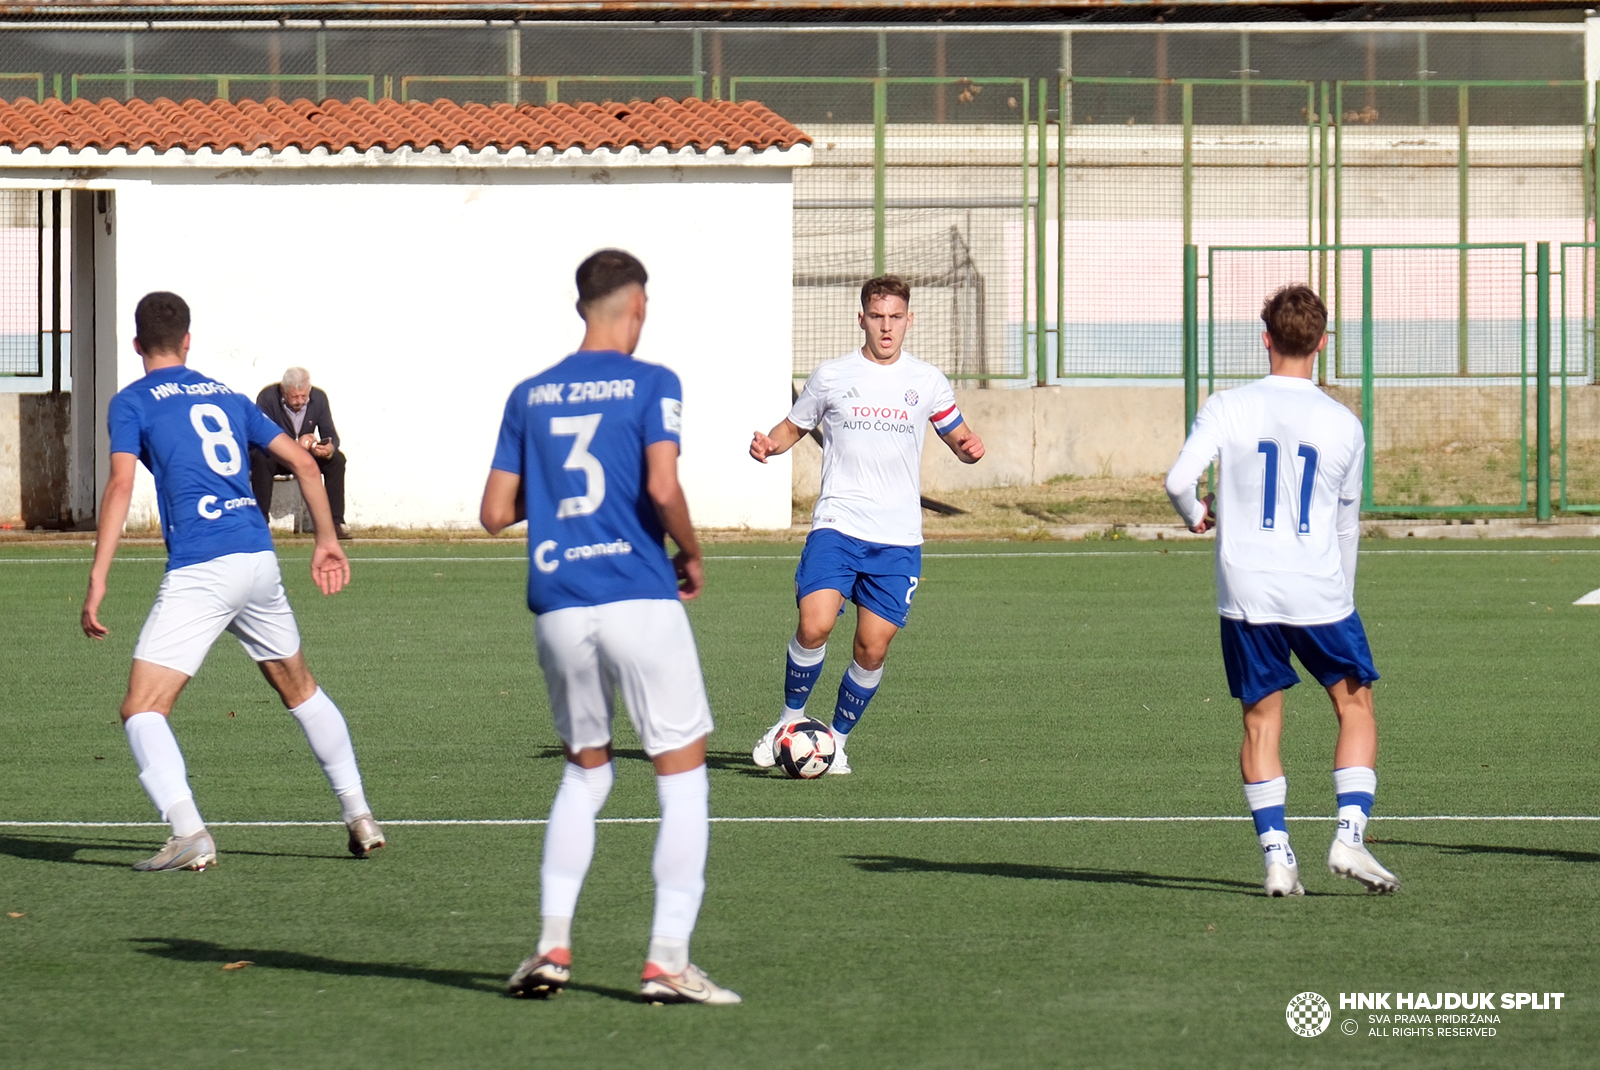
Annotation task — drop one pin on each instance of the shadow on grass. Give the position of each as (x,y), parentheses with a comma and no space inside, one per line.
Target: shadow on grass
(727,761)
(204,951)
(1025,871)
(1549,853)
(66,852)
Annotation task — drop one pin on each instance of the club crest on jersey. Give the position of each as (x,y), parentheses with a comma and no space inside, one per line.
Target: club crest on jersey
(911,397)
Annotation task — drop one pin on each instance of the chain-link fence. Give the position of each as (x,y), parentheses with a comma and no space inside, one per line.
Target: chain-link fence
(1440,440)
(944,205)
(1578,411)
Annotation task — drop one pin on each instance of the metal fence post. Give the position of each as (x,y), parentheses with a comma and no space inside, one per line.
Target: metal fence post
(1041,342)
(880,109)
(1462,351)
(1188,163)
(322,66)
(1191,335)
(1366,373)
(1542,382)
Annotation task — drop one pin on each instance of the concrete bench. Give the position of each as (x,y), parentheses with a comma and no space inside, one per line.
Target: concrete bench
(288,502)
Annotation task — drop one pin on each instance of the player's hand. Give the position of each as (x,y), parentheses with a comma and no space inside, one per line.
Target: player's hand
(762,446)
(91,609)
(330,569)
(691,575)
(1208,521)
(970,449)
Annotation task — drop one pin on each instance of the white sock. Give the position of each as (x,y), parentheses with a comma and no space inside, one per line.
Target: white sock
(329,737)
(1354,787)
(555,932)
(162,772)
(668,952)
(569,845)
(680,861)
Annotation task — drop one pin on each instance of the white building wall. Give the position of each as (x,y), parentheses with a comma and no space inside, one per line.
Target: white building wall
(418,301)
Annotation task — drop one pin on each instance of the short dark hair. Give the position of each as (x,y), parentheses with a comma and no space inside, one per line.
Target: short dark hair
(885,286)
(1296,319)
(160,320)
(606,272)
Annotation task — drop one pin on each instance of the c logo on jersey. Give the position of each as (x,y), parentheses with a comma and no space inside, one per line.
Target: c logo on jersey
(539,562)
(213,512)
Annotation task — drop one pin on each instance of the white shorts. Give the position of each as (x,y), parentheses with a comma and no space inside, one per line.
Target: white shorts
(642,647)
(240,593)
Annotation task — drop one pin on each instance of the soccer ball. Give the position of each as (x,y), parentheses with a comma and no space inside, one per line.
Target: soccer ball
(804,749)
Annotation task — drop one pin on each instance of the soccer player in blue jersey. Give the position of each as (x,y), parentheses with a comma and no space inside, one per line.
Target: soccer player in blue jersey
(194,434)
(588,455)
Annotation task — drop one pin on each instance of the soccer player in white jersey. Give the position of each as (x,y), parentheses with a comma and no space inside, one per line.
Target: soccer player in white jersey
(194,434)
(874,406)
(1287,514)
(588,455)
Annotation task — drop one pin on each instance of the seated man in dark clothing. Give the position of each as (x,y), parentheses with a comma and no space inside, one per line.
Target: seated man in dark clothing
(302,411)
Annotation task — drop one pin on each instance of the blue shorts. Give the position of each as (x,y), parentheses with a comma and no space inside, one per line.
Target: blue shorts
(1256,656)
(874,575)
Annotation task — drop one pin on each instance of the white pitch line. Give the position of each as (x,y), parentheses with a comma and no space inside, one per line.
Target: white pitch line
(1056,820)
(773,557)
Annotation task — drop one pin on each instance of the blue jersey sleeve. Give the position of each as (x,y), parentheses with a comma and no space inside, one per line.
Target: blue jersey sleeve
(123,420)
(663,413)
(508,448)
(259,429)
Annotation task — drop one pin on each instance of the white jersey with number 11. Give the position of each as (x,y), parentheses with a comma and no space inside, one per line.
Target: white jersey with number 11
(1288,499)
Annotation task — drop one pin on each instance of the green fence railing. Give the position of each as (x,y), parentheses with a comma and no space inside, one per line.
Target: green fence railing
(223,84)
(1436,444)
(548,87)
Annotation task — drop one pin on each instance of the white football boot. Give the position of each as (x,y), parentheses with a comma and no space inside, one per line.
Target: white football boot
(1283,872)
(1284,880)
(840,766)
(691,986)
(1358,864)
(764,753)
(194,851)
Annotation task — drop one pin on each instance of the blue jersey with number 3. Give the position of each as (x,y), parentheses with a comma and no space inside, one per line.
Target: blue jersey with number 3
(194,434)
(576,433)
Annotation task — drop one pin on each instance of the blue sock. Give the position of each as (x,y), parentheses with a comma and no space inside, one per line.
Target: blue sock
(1354,787)
(1267,800)
(855,691)
(801,676)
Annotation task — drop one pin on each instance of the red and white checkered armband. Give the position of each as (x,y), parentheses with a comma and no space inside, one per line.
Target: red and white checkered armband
(946,421)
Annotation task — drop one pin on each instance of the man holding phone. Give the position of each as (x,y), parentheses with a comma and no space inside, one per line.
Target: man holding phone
(303,412)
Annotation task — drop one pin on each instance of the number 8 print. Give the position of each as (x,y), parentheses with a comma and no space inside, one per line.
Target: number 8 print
(217,447)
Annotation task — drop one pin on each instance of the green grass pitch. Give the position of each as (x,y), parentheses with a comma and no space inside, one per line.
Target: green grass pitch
(1063,682)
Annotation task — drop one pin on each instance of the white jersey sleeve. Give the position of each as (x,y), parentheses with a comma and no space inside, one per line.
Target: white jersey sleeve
(1199,450)
(811,404)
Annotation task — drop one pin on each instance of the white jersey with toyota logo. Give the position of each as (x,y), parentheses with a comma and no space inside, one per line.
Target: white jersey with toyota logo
(873,419)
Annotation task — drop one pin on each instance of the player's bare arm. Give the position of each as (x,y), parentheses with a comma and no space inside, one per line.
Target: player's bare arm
(779,440)
(113,514)
(330,568)
(502,502)
(661,461)
(965,444)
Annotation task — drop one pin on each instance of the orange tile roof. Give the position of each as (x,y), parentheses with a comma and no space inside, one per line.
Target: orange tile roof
(335,125)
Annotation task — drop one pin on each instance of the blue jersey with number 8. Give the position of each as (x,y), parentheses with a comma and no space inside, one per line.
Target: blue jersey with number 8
(195,434)
(576,433)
